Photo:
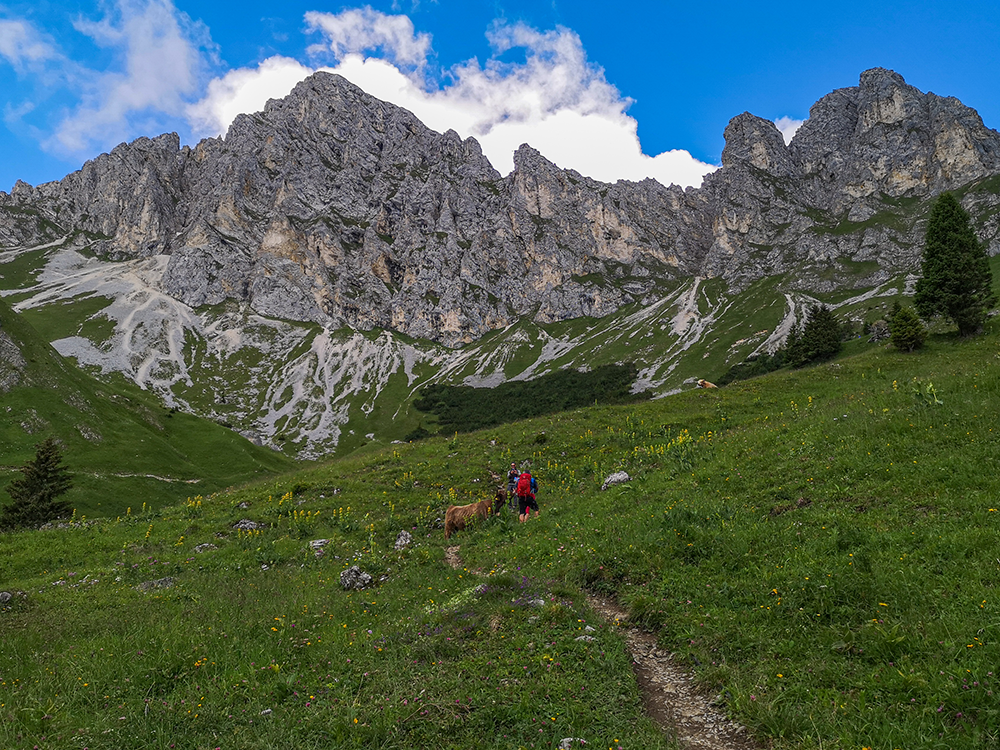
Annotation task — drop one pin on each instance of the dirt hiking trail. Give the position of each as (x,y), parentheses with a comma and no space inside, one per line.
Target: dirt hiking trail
(667,688)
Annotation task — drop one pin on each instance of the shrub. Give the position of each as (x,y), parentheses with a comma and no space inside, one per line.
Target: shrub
(908,333)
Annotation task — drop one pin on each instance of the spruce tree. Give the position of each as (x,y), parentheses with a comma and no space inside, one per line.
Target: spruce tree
(818,340)
(35,492)
(896,307)
(908,333)
(793,352)
(956,279)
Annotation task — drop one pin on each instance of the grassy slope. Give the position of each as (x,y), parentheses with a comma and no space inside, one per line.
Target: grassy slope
(819,545)
(118,439)
(670,345)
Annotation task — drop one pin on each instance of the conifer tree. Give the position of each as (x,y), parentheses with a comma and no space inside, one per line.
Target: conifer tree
(793,352)
(908,333)
(896,307)
(818,340)
(956,279)
(35,492)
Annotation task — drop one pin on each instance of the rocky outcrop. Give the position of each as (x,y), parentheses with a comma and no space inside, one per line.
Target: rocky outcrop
(333,207)
(886,138)
(849,189)
(11,362)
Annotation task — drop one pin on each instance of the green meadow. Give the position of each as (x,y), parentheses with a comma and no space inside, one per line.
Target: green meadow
(124,446)
(819,547)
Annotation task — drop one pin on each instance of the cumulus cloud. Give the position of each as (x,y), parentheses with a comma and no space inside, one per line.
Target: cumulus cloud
(22,46)
(161,56)
(788,127)
(555,99)
(362,30)
(244,90)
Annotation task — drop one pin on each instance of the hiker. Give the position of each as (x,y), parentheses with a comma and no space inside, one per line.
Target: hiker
(526,488)
(512,476)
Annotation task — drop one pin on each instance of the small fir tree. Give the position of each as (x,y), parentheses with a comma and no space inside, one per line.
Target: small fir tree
(793,352)
(956,279)
(908,333)
(820,338)
(896,307)
(35,492)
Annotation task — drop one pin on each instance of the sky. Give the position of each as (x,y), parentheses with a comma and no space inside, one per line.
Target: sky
(624,90)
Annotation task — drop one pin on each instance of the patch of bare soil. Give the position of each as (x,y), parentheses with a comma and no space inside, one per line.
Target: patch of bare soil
(669,693)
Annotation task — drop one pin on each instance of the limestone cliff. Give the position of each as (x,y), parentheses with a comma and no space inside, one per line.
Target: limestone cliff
(333,207)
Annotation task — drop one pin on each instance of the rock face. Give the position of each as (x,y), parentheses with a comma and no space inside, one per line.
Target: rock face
(887,138)
(333,207)
(11,362)
(839,192)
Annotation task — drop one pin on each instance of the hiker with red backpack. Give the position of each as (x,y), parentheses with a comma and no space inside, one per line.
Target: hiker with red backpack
(526,488)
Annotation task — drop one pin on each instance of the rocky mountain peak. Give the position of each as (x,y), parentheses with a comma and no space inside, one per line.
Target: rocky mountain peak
(335,207)
(530,161)
(332,207)
(885,137)
(754,141)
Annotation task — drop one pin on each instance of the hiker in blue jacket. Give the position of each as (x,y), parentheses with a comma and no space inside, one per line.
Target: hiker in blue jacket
(512,477)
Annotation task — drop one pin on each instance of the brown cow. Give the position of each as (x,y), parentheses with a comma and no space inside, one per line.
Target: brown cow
(457,516)
(705,384)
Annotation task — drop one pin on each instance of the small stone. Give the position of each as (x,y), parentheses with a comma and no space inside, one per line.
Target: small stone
(159,583)
(619,477)
(355,578)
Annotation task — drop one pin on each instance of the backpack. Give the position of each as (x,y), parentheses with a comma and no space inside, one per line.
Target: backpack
(524,485)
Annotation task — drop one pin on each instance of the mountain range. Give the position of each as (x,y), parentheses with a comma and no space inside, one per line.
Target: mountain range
(300,278)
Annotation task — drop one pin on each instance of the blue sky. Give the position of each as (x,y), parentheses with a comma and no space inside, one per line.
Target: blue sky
(615,90)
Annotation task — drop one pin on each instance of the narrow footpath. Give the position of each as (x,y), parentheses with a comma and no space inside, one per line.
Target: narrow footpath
(667,688)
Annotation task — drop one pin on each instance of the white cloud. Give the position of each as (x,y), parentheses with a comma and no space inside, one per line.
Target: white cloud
(244,90)
(788,127)
(363,29)
(21,44)
(555,100)
(161,56)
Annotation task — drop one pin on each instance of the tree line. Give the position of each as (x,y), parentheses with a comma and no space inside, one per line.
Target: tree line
(464,408)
